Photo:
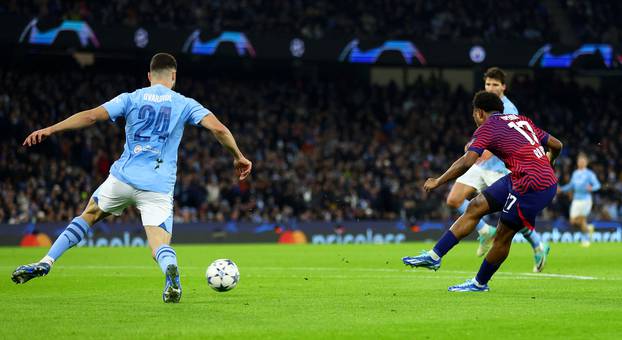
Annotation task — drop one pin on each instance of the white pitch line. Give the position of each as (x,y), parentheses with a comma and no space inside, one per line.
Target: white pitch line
(557,276)
(529,275)
(418,273)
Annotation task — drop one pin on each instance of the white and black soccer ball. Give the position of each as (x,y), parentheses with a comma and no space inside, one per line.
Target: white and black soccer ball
(222,275)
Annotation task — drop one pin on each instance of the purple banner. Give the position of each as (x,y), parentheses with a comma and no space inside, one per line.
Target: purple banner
(356,232)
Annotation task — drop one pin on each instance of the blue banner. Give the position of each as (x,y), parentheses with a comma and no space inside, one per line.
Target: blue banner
(354,232)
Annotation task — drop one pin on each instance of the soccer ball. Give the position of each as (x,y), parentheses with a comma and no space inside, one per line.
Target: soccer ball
(222,275)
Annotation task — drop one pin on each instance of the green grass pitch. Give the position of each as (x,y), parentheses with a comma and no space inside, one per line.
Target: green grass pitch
(304,291)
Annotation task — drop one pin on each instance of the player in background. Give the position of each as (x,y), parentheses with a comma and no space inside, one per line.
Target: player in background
(519,196)
(487,170)
(583,183)
(146,172)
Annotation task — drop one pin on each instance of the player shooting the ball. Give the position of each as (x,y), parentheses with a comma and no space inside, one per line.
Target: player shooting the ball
(519,196)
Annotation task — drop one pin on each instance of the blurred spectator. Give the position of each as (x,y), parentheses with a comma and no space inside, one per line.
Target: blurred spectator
(322,150)
(594,20)
(475,20)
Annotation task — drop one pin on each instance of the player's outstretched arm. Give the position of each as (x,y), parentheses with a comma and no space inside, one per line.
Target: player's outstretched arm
(77,121)
(221,132)
(555,148)
(455,170)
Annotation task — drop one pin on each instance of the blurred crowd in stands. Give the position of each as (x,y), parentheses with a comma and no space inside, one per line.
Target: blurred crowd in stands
(322,149)
(475,20)
(594,20)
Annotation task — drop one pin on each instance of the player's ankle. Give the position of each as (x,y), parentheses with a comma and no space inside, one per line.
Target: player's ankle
(47,259)
(477,283)
(484,230)
(434,255)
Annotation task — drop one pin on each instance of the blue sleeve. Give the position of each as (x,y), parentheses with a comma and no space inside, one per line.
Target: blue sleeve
(118,106)
(196,112)
(569,186)
(594,182)
(511,110)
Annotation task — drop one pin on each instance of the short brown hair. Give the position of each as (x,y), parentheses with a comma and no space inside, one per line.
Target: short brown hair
(495,73)
(162,61)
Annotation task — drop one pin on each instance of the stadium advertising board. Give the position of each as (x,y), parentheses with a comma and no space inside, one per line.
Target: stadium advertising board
(320,233)
(69,35)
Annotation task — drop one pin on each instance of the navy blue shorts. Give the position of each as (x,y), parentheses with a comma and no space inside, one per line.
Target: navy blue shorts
(517,211)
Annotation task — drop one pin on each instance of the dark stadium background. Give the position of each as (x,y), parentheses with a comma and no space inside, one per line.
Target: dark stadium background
(340,142)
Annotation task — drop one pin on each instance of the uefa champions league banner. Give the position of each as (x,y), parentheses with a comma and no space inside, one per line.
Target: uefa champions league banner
(41,35)
(318,233)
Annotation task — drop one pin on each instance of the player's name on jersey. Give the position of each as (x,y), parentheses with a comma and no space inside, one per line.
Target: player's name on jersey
(509,117)
(150,97)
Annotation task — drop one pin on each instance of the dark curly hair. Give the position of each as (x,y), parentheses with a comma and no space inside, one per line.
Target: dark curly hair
(487,101)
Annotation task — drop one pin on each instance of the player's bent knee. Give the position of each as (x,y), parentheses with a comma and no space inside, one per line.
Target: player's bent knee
(576,221)
(478,206)
(93,214)
(454,202)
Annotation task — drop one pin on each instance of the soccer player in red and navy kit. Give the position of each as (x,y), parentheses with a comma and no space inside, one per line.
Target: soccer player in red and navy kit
(519,196)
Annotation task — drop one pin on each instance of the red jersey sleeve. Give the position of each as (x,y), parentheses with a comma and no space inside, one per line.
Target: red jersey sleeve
(482,138)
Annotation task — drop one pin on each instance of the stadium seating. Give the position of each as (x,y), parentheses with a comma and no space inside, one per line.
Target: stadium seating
(321,150)
(480,20)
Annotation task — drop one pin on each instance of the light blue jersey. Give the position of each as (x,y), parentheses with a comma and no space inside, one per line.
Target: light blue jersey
(155,117)
(494,163)
(579,182)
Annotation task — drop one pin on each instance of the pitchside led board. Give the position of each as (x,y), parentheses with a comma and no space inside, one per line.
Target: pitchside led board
(73,34)
(319,233)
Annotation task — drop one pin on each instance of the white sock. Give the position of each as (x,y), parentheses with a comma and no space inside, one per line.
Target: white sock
(434,255)
(485,229)
(47,259)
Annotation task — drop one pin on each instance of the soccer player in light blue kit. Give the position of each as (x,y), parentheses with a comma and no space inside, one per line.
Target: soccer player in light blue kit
(145,174)
(487,171)
(583,183)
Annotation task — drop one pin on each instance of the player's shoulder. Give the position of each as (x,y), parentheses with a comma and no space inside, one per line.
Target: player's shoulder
(519,116)
(181,98)
(501,118)
(508,106)
(489,126)
(523,117)
(507,101)
(137,94)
